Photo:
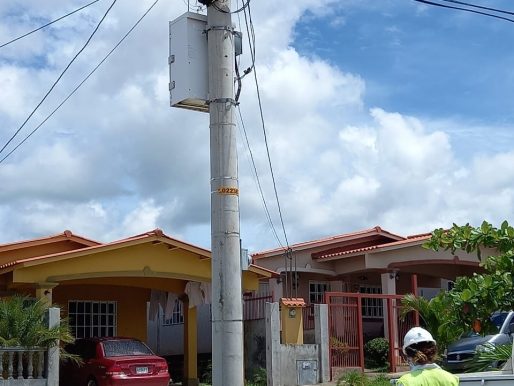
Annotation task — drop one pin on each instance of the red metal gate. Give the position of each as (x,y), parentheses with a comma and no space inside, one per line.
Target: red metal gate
(346,332)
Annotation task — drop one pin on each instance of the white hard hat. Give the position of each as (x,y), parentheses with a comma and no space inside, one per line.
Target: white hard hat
(416,335)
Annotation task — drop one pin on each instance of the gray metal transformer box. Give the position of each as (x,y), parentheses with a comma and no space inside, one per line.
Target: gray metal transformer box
(188,62)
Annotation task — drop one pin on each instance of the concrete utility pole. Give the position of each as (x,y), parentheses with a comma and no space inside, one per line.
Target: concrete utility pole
(227,305)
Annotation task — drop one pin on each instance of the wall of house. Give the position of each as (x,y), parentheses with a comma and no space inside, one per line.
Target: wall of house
(169,340)
(416,254)
(350,264)
(131,304)
(303,262)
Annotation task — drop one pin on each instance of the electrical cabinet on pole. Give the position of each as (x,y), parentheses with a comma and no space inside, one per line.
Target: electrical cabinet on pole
(227,304)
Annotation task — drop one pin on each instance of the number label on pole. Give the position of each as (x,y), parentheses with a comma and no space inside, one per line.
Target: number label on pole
(225,190)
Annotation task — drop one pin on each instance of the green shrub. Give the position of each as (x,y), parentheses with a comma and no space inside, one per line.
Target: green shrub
(357,378)
(352,378)
(376,353)
(379,380)
(259,377)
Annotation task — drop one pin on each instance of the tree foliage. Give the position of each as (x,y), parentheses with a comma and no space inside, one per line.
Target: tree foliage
(23,324)
(473,299)
(435,317)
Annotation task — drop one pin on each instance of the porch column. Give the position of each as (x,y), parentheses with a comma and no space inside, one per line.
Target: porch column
(190,345)
(44,291)
(388,280)
(414,289)
(52,365)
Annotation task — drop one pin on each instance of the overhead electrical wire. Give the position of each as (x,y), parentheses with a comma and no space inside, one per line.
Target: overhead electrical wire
(257,179)
(251,41)
(50,23)
(82,82)
(244,135)
(59,77)
(479,7)
(464,9)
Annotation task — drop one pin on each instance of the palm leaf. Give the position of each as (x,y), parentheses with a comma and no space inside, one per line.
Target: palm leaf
(490,357)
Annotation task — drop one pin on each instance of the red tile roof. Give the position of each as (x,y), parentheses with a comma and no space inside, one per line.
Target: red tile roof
(257,268)
(410,240)
(154,235)
(293,302)
(359,235)
(66,235)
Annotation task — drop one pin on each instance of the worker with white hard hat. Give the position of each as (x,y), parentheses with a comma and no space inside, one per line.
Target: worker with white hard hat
(420,349)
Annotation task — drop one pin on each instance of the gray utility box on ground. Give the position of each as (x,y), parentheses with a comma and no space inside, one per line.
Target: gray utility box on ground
(188,62)
(307,372)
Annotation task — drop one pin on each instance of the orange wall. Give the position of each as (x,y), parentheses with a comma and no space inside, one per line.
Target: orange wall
(131,304)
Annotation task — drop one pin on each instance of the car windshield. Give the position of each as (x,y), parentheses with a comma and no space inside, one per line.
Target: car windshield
(498,319)
(118,348)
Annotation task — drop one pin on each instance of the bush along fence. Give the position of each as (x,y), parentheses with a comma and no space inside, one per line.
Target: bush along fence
(31,366)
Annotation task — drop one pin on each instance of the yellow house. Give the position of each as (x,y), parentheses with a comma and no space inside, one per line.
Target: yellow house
(105,287)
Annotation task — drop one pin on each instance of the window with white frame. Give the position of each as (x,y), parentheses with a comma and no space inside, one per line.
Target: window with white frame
(92,318)
(371,307)
(177,316)
(317,291)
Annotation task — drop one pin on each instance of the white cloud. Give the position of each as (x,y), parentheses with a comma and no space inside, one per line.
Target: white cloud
(141,219)
(117,160)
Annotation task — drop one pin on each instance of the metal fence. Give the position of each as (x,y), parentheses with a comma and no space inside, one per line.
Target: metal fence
(254,306)
(346,332)
(308,317)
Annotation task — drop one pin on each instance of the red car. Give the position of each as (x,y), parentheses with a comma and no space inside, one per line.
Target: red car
(113,362)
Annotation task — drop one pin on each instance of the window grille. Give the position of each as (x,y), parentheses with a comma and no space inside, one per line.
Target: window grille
(177,316)
(92,318)
(371,307)
(317,291)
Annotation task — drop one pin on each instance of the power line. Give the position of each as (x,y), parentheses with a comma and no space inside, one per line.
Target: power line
(60,76)
(47,24)
(464,9)
(251,40)
(257,179)
(245,136)
(83,81)
(479,7)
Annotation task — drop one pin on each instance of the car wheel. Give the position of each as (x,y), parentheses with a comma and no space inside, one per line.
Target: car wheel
(91,382)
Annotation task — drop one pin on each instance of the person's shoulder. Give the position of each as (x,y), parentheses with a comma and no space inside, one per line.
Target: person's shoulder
(404,379)
(449,375)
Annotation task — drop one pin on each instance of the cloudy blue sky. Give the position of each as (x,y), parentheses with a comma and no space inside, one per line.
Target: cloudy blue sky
(381,112)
